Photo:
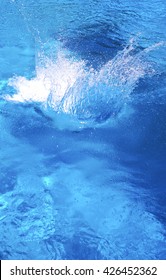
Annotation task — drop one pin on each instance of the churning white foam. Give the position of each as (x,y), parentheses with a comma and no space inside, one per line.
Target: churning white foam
(53,77)
(66,85)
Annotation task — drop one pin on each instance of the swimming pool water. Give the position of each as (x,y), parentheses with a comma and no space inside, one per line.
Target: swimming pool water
(82,129)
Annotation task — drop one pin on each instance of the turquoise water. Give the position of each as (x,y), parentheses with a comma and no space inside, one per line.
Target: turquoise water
(82,119)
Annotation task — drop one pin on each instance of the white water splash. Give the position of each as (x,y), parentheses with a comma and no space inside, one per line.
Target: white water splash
(52,78)
(66,86)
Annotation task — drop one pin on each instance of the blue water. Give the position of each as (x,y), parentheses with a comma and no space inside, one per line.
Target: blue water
(82,129)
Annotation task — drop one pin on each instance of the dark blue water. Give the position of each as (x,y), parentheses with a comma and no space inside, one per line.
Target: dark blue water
(82,129)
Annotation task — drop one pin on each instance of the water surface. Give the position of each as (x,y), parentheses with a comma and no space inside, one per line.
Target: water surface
(83,132)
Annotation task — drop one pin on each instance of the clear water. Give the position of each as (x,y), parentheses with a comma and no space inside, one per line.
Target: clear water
(83,131)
